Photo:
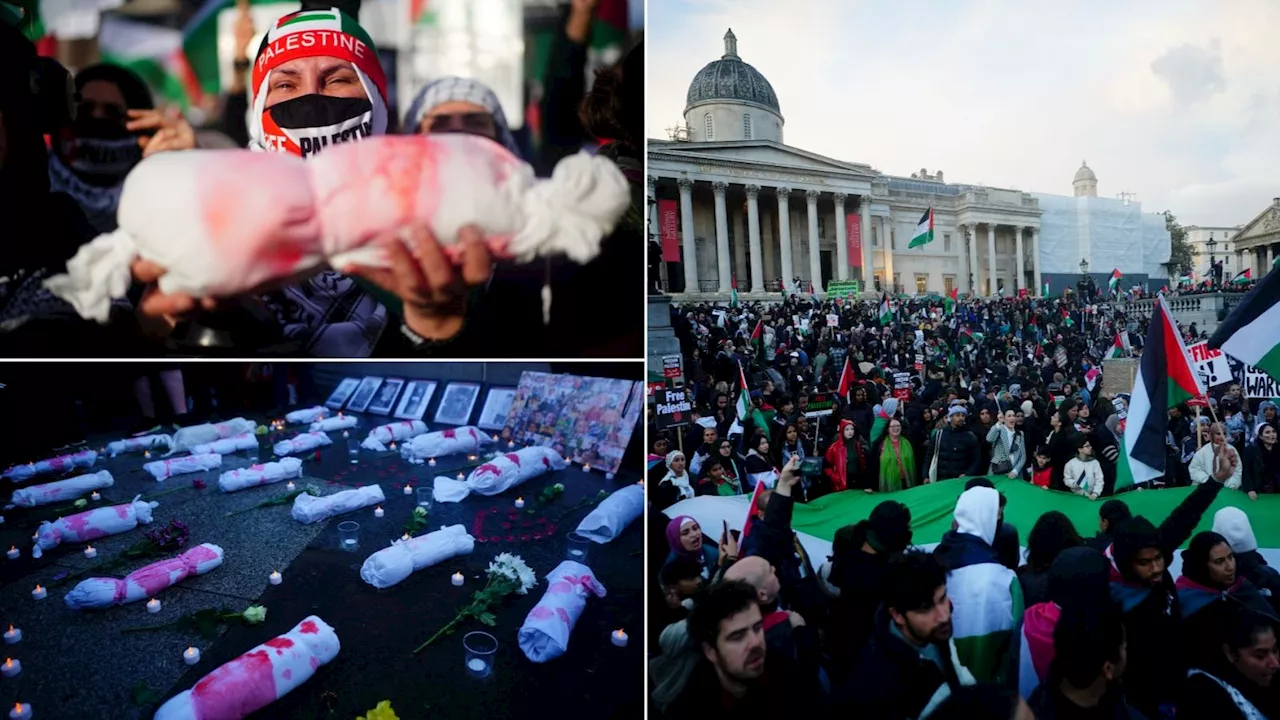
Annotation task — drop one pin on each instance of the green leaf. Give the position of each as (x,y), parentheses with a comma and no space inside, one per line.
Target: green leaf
(143,695)
(489,619)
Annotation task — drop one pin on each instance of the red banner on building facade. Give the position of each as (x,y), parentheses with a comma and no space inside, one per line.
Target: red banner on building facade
(853,221)
(669,224)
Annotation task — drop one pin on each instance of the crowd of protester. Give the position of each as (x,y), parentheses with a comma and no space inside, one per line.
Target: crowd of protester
(64,156)
(1085,624)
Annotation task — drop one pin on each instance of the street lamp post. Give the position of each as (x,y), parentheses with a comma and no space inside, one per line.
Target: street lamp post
(1213,274)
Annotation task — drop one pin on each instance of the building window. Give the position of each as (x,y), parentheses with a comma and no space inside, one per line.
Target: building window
(875,237)
(897,277)
(922,284)
(876,279)
(746,126)
(822,228)
(711,127)
(946,242)
(892,238)
(948,284)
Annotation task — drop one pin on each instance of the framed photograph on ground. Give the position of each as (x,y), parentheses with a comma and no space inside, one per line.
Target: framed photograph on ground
(416,398)
(456,403)
(342,393)
(497,406)
(588,419)
(385,398)
(364,394)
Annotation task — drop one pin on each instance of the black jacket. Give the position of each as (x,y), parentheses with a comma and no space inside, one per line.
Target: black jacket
(959,453)
(860,578)
(1048,703)
(1204,699)
(1253,567)
(891,680)
(773,539)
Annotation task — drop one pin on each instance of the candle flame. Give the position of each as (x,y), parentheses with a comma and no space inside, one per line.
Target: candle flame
(519,499)
(10,628)
(17,707)
(38,588)
(13,547)
(191,650)
(8,662)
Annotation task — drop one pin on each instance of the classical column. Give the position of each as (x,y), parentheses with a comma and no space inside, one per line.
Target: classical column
(842,239)
(886,244)
(753,231)
(864,223)
(768,241)
(686,235)
(1035,261)
(991,256)
(971,245)
(738,246)
(1017,250)
(722,237)
(784,235)
(1271,258)
(815,266)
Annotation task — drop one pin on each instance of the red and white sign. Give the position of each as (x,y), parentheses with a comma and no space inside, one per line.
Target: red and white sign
(669,226)
(853,222)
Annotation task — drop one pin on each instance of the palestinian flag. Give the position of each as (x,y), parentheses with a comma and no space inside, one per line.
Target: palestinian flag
(744,395)
(886,312)
(880,423)
(155,54)
(1243,278)
(1186,280)
(1066,318)
(1045,291)
(1165,378)
(733,293)
(1117,348)
(924,230)
(757,335)
(1114,282)
(846,379)
(1249,333)
(754,507)
(950,301)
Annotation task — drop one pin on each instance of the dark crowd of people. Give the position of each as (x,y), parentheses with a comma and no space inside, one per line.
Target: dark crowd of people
(66,146)
(844,397)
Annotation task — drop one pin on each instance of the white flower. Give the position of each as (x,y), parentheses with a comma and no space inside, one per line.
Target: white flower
(514,569)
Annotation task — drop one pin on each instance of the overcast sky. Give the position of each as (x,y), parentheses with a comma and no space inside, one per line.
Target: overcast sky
(1177,101)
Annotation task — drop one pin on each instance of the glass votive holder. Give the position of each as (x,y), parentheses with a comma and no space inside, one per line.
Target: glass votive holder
(424,497)
(349,535)
(577,548)
(353,450)
(480,649)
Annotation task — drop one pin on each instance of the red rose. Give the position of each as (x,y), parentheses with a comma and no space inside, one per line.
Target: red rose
(199,485)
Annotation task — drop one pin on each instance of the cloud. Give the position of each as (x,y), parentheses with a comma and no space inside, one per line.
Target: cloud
(1193,74)
(1174,100)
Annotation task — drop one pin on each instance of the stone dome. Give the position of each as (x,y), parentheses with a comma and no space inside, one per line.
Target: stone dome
(729,78)
(1085,173)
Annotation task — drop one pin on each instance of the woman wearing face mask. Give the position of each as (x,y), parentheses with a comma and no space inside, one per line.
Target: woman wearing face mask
(1237,682)
(1208,589)
(1262,463)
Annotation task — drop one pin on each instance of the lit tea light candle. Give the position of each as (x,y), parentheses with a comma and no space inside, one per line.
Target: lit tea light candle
(275,577)
(191,656)
(404,537)
(153,606)
(431,462)
(339,413)
(408,489)
(619,637)
(457,579)
(476,665)
(460,476)
(96,496)
(90,552)
(345,434)
(146,453)
(10,668)
(290,486)
(349,542)
(495,437)
(609,476)
(472,458)
(12,636)
(13,553)
(393,444)
(586,468)
(519,502)
(511,443)
(39,593)
(378,511)
(20,711)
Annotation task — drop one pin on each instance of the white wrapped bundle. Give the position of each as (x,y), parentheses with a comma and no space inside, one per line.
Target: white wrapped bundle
(257,678)
(92,524)
(308,509)
(502,472)
(334,423)
(383,434)
(296,216)
(62,490)
(173,211)
(392,565)
(272,472)
(444,442)
(134,444)
(62,463)
(162,470)
(145,582)
(545,633)
(302,417)
(227,446)
(613,514)
(302,443)
(450,181)
(189,437)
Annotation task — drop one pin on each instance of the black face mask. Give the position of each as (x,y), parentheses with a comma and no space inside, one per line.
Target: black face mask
(100,151)
(314,122)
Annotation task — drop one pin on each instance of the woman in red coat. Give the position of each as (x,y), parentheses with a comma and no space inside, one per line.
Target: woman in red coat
(846,460)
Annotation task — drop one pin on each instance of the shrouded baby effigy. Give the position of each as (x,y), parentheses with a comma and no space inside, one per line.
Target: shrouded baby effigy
(444,442)
(383,434)
(145,582)
(162,470)
(545,633)
(134,444)
(264,474)
(62,463)
(302,417)
(301,443)
(501,472)
(392,565)
(92,524)
(333,423)
(293,216)
(613,514)
(189,437)
(308,508)
(227,446)
(257,678)
(62,490)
